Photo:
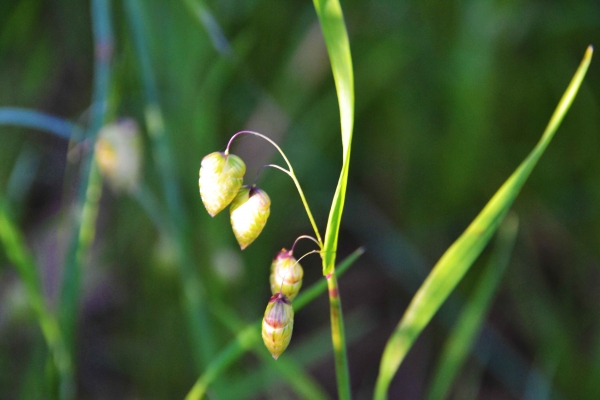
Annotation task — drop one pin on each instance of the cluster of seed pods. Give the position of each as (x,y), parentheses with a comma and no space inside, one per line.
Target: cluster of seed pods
(278,322)
(220,182)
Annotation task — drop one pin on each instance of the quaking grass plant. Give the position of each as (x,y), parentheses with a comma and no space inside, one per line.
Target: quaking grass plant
(220,186)
(446,274)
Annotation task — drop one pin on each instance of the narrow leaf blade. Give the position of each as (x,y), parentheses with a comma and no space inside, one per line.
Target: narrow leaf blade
(338,47)
(458,258)
(461,339)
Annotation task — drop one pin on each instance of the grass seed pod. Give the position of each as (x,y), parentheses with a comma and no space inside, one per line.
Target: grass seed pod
(278,324)
(118,152)
(286,274)
(221,176)
(249,213)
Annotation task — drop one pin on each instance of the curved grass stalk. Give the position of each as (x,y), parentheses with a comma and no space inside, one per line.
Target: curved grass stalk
(250,336)
(37,120)
(456,261)
(289,172)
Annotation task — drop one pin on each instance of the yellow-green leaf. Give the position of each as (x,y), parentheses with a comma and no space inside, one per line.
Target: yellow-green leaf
(458,258)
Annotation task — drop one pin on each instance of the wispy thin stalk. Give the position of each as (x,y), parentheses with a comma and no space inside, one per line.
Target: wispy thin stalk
(289,172)
(88,189)
(250,336)
(194,293)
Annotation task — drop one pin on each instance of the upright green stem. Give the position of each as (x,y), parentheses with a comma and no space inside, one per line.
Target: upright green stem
(331,19)
(291,174)
(338,337)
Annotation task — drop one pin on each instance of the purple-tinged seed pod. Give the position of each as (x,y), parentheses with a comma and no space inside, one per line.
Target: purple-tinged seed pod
(277,324)
(286,274)
(249,213)
(221,176)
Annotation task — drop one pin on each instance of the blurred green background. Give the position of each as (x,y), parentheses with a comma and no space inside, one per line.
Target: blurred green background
(450,97)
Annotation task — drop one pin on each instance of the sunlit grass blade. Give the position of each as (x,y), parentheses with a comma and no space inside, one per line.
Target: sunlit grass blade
(338,47)
(459,343)
(458,258)
(250,336)
(37,120)
(16,250)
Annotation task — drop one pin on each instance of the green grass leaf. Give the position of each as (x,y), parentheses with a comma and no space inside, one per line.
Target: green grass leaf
(455,262)
(460,340)
(338,46)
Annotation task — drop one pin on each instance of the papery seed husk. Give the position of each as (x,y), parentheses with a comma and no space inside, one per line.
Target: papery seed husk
(286,274)
(249,213)
(278,324)
(220,178)
(119,154)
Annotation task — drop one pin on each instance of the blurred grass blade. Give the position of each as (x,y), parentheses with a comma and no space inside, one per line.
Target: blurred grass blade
(458,345)
(16,251)
(200,11)
(458,258)
(194,298)
(91,183)
(37,120)
(249,336)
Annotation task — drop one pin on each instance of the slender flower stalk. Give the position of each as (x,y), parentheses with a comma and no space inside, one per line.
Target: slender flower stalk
(304,237)
(291,174)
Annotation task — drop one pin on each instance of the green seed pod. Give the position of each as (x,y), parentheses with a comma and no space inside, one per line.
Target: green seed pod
(286,274)
(249,212)
(118,152)
(278,324)
(221,176)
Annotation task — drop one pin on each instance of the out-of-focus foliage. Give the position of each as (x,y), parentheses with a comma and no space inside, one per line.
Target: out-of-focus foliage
(450,97)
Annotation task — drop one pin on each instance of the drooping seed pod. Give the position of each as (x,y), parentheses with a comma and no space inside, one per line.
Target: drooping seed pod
(286,274)
(249,212)
(221,176)
(118,152)
(278,324)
